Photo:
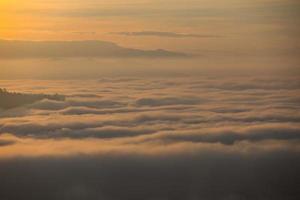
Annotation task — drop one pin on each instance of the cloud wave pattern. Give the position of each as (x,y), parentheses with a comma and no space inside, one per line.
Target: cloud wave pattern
(183,138)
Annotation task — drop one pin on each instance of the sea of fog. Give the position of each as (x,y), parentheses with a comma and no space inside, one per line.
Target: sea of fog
(153,139)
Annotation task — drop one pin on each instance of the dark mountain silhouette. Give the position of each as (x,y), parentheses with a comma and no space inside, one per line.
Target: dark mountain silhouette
(75,49)
(12,99)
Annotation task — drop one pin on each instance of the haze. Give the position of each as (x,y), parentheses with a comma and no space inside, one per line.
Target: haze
(221,36)
(149,99)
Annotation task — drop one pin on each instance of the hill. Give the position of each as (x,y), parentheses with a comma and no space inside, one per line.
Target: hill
(12,99)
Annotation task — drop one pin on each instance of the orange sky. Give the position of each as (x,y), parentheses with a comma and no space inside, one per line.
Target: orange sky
(265,29)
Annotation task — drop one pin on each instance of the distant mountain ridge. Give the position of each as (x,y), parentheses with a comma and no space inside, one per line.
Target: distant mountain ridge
(73,49)
(10,100)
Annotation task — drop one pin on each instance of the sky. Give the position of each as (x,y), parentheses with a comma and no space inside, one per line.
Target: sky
(234,35)
(149,99)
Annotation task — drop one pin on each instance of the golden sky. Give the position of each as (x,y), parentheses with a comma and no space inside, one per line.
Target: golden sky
(262,31)
(149,99)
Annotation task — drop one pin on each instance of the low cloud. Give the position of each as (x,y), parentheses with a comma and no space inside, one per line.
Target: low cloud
(6,143)
(84,32)
(168,101)
(215,173)
(165,34)
(154,139)
(229,136)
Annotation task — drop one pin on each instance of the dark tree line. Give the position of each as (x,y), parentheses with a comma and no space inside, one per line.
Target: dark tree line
(13,99)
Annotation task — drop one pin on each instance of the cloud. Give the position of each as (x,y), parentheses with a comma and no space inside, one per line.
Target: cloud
(47,104)
(84,32)
(77,104)
(6,143)
(229,136)
(67,49)
(142,138)
(177,109)
(105,132)
(168,101)
(214,173)
(165,34)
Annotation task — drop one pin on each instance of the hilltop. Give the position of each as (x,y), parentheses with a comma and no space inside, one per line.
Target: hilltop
(12,99)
